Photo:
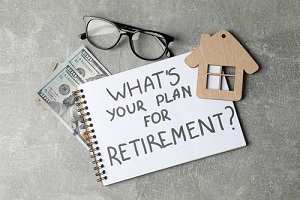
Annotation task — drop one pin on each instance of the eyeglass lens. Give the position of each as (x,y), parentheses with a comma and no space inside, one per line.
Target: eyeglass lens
(105,35)
(148,45)
(102,34)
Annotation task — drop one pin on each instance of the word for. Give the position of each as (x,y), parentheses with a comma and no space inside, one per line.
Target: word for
(163,139)
(157,117)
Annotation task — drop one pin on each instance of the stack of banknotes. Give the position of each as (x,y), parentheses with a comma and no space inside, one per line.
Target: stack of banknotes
(56,94)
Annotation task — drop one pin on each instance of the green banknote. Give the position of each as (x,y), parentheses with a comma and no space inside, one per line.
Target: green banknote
(53,66)
(87,65)
(56,94)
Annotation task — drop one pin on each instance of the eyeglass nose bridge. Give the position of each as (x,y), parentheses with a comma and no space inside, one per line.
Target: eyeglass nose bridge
(127,33)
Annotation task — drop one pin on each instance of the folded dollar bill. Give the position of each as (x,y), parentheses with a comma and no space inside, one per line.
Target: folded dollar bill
(53,66)
(56,94)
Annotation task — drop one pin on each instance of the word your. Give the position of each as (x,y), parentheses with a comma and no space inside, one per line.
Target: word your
(141,146)
(121,111)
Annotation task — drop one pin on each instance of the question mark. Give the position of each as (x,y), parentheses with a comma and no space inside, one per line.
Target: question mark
(232,115)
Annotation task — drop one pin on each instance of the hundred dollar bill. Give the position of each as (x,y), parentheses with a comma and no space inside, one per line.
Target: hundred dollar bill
(85,67)
(53,66)
(85,63)
(57,95)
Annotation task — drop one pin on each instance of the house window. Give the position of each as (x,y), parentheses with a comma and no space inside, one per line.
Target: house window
(217,76)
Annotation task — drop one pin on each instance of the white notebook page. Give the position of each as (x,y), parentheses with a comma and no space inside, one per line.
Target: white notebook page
(170,125)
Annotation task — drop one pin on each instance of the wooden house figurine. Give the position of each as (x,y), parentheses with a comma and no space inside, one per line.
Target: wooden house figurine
(215,54)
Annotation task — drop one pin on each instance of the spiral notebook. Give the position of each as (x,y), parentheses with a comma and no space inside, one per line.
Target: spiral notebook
(149,118)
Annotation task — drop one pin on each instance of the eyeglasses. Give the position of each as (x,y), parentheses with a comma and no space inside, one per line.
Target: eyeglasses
(145,44)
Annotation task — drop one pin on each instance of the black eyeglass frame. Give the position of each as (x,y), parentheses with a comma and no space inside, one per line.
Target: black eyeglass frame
(129,31)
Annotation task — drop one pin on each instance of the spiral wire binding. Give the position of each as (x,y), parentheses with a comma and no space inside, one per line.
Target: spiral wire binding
(82,108)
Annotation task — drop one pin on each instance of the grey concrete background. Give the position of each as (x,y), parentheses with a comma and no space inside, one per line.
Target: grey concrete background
(40,159)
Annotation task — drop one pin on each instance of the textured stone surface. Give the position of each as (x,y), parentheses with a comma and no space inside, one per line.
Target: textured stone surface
(40,159)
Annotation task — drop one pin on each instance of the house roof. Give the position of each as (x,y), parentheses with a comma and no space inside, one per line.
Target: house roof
(222,48)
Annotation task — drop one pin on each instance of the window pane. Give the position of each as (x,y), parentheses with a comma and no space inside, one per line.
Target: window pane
(230,83)
(214,69)
(212,82)
(228,70)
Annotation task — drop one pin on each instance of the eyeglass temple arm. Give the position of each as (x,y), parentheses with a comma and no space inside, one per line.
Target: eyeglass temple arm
(169,53)
(125,26)
(82,36)
(163,45)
